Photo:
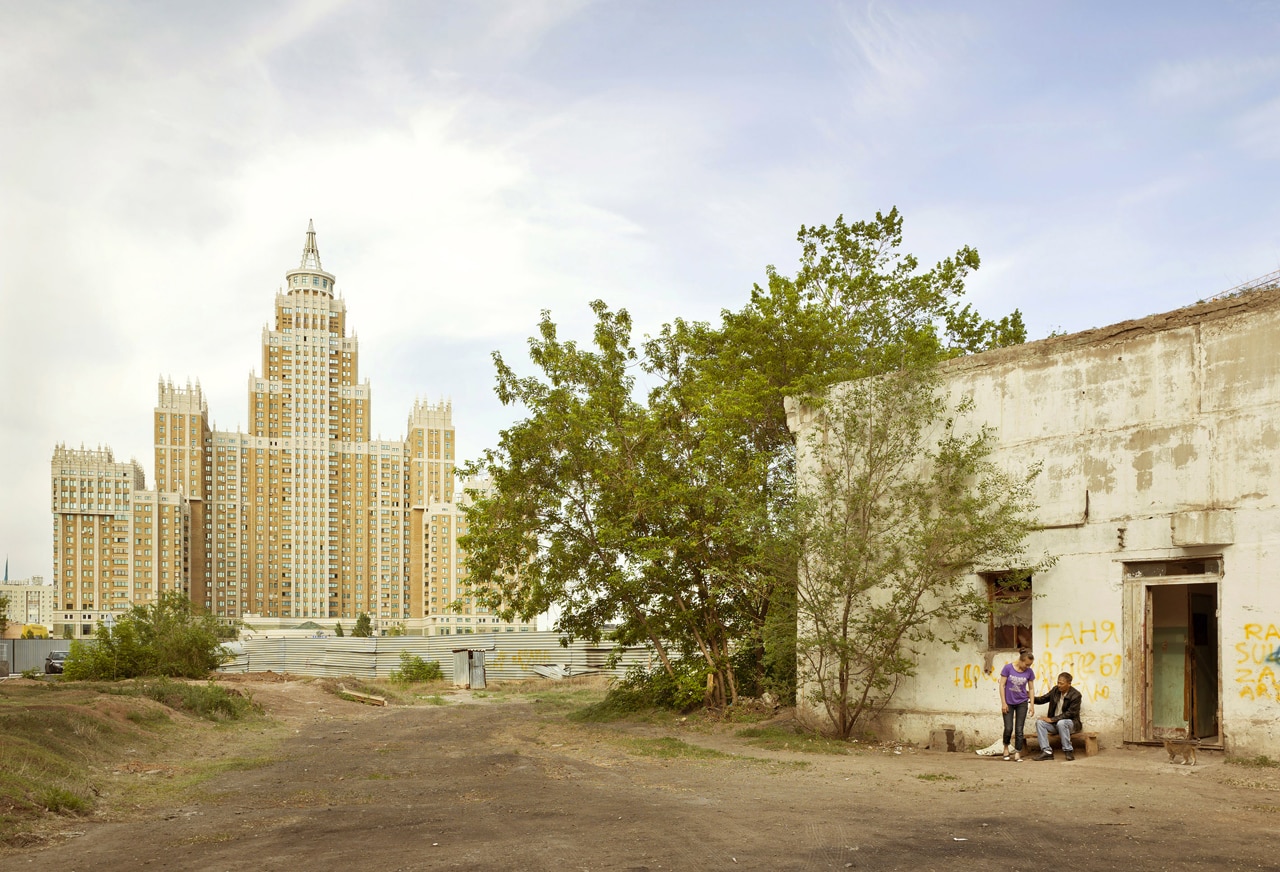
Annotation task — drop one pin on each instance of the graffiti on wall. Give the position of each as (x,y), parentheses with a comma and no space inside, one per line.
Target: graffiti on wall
(1257,670)
(1071,646)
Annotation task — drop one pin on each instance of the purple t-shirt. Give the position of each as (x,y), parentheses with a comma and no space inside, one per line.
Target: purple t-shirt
(1017,684)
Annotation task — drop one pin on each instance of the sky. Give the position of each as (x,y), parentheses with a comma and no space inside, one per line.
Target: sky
(469,165)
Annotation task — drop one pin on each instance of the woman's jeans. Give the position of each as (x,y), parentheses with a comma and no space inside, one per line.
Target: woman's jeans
(1016,713)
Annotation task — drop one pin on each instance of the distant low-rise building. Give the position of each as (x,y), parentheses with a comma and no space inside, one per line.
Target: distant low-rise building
(30,604)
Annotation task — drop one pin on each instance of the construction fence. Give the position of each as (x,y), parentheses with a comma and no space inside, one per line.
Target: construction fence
(508,657)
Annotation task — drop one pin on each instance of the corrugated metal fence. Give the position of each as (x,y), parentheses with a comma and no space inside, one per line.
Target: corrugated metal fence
(24,654)
(507,656)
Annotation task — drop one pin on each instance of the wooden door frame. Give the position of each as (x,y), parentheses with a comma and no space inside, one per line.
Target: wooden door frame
(1136,636)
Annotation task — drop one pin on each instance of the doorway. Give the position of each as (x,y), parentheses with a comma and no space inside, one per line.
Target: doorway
(1175,655)
(1184,661)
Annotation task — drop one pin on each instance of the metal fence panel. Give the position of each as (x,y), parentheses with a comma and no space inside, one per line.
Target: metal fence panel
(507,657)
(24,654)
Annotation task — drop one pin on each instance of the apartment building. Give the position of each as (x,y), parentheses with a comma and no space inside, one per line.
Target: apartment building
(30,603)
(298,517)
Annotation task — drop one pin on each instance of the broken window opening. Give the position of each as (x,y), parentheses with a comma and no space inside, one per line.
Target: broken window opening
(1009,627)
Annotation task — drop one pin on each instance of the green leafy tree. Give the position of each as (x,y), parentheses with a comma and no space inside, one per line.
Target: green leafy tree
(364,626)
(166,638)
(566,519)
(337,630)
(4,613)
(673,515)
(902,505)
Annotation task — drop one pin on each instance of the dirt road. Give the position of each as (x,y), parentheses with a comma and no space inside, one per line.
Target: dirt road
(511,785)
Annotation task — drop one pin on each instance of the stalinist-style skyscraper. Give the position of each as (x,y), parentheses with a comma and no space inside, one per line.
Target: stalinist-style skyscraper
(299,517)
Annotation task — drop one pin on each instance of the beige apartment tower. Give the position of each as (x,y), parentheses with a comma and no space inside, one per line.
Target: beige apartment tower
(299,517)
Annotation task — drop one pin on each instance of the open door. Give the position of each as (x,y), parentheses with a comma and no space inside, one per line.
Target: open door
(1184,661)
(1171,634)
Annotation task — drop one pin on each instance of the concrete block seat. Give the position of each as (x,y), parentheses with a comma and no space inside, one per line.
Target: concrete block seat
(1085,744)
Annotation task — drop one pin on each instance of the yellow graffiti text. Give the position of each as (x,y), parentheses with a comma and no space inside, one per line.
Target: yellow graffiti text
(1255,631)
(1056,635)
(1257,663)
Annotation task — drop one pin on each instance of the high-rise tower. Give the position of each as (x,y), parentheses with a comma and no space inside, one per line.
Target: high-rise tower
(299,516)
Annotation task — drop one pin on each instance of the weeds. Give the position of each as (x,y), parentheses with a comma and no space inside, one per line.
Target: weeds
(62,801)
(671,748)
(1261,761)
(641,691)
(936,776)
(789,739)
(208,701)
(149,718)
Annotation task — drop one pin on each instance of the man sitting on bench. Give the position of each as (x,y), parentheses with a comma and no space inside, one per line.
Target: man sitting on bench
(1064,716)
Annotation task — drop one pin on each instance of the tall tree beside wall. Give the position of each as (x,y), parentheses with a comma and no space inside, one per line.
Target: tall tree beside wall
(673,514)
(902,505)
(4,613)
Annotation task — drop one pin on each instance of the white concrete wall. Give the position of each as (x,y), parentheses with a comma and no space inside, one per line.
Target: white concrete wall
(1139,427)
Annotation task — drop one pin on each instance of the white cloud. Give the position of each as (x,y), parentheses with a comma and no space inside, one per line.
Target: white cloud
(469,165)
(899,57)
(1208,82)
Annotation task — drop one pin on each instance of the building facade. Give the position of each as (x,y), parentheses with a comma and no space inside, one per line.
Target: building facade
(298,517)
(30,604)
(1160,497)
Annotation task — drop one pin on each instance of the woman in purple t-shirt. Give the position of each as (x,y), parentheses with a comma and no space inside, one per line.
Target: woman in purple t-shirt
(1017,684)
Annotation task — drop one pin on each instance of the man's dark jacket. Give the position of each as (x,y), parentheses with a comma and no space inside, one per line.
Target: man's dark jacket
(1070,710)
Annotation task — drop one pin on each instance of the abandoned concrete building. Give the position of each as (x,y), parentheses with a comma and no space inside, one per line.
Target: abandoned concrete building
(1159,441)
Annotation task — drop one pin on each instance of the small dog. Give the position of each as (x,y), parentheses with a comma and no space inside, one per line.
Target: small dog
(1184,748)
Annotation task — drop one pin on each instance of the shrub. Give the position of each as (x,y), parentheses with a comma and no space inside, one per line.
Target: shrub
(413,669)
(208,701)
(642,689)
(168,637)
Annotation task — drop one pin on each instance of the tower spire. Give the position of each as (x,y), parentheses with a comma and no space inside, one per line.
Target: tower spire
(310,253)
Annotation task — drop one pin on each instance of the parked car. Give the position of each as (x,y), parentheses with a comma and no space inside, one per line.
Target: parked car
(54,662)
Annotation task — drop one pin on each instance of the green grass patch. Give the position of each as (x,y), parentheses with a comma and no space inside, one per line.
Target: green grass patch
(209,701)
(44,761)
(434,699)
(621,704)
(58,736)
(59,800)
(937,776)
(565,694)
(672,749)
(789,739)
(150,718)
(1261,761)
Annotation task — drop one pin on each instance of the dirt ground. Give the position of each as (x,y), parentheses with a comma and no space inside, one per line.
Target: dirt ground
(481,784)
